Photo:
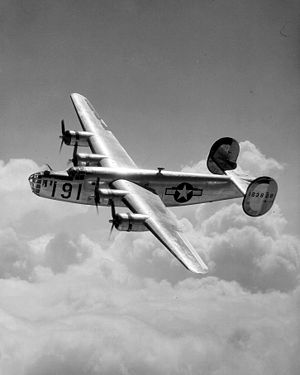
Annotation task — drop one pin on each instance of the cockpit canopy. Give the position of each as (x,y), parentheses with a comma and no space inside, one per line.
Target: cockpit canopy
(35,181)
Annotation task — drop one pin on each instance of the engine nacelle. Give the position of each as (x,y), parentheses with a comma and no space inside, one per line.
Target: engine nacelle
(260,196)
(130,222)
(72,137)
(111,193)
(223,155)
(90,159)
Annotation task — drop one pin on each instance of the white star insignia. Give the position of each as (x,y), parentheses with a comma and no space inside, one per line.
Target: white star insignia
(183,192)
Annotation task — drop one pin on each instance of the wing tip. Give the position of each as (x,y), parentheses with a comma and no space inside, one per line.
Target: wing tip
(196,264)
(199,268)
(76,95)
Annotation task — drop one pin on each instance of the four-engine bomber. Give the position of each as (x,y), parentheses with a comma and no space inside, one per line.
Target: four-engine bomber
(109,177)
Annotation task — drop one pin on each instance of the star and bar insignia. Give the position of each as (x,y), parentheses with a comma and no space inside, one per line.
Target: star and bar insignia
(183,192)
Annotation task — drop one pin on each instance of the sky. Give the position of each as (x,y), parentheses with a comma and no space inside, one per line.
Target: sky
(169,78)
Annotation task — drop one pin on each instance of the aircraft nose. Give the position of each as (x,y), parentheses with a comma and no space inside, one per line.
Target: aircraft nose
(31,180)
(35,183)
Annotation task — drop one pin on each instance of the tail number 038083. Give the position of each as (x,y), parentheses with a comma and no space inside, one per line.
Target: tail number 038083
(67,189)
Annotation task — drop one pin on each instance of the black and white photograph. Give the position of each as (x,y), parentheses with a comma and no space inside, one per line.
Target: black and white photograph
(149,187)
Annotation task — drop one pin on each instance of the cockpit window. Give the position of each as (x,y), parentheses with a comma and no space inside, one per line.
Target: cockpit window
(35,182)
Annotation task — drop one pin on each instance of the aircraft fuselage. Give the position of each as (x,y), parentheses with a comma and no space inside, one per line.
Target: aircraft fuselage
(77,185)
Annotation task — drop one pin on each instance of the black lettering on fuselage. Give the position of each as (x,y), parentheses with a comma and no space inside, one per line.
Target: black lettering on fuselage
(67,188)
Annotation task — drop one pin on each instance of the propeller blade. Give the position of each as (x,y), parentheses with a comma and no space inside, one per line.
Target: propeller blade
(97,184)
(96,194)
(113,220)
(75,159)
(111,229)
(113,209)
(50,169)
(62,136)
(63,129)
(61,143)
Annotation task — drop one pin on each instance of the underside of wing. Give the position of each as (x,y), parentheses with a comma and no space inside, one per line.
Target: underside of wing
(102,141)
(161,223)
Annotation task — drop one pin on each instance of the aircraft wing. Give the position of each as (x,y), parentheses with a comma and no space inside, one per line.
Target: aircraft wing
(103,141)
(138,199)
(161,223)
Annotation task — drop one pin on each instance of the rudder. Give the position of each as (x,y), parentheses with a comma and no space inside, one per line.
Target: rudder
(260,196)
(223,155)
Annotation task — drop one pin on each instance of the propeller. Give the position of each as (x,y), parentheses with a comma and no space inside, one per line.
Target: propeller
(74,159)
(42,169)
(114,221)
(50,169)
(97,194)
(63,134)
(111,229)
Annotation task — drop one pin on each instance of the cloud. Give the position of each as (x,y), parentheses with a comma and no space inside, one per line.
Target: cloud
(17,200)
(254,252)
(13,255)
(19,257)
(14,189)
(97,318)
(61,251)
(72,304)
(253,161)
(199,167)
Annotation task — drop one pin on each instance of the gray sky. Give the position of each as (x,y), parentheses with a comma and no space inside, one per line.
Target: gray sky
(169,77)
(189,71)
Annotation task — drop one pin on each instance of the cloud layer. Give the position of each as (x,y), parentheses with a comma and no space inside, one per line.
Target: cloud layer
(72,303)
(98,318)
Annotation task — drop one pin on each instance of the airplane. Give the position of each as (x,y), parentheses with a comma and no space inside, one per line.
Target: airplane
(109,177)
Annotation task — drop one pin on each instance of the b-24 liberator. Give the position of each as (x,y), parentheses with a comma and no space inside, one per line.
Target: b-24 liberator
(107,176)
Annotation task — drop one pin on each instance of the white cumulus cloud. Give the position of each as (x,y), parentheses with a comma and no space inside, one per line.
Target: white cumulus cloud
(250,160)
(72,304)
(17,200)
